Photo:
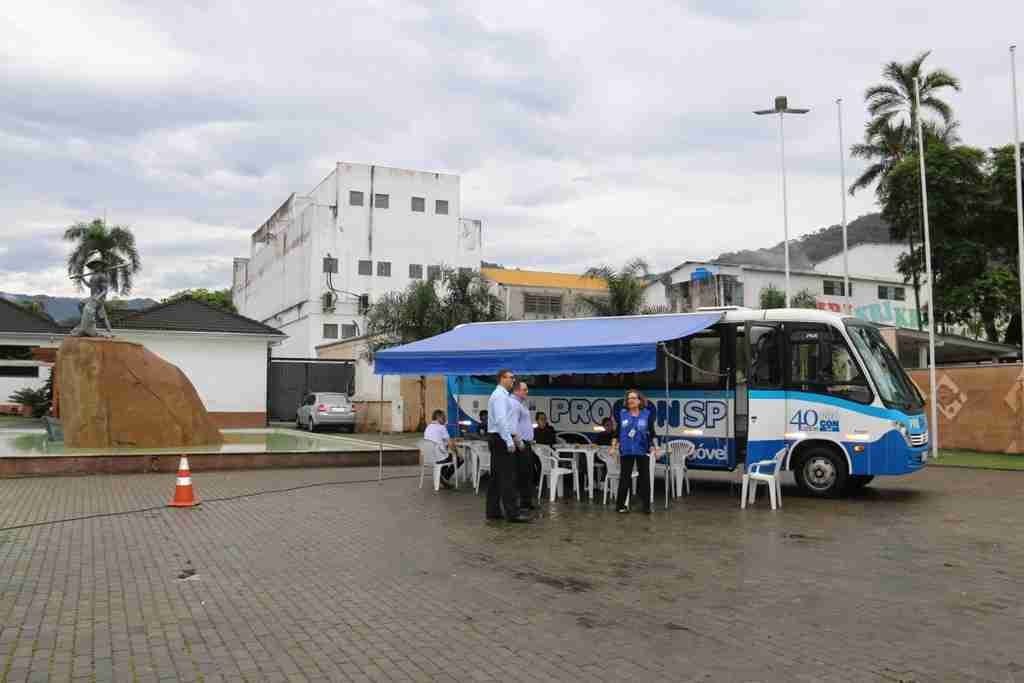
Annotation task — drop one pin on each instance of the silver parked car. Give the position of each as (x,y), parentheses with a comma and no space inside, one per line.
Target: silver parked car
(324,409)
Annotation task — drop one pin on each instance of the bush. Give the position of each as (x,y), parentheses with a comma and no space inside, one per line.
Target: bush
(38,400)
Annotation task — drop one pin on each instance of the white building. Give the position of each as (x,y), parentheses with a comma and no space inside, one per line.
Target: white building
(364,231)
(872,260)
(876,298)
(224,355)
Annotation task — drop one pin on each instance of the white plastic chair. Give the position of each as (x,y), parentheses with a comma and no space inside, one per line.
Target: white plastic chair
(481,461)
(767,471)
(676,472)
(552,471)
(613,472)
(430,451)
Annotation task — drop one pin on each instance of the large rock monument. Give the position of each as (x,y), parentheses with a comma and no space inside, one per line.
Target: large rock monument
(118,393)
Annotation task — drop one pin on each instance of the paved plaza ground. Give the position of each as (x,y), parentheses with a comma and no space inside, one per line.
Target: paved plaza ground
(918,579)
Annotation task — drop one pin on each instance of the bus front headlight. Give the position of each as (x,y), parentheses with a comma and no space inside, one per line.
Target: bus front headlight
(904,432)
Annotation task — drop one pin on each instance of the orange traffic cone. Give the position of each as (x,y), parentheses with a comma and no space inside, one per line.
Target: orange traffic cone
(183,495)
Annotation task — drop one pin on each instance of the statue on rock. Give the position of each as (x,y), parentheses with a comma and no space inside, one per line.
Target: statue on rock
(94,308)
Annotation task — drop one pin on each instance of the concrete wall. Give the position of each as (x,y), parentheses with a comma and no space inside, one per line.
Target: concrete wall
(512,298)
(980,407)
(230,374)
(867,260)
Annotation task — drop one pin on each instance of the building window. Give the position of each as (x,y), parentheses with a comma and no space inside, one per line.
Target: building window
(441,207)
(433,272)
(732,290)
(416,271)
(542,304)
(890,293)
(365,267)
(330,331)
(384,268)
(836,288)
(348,331)
(19,371)
(355,198)
(419,204)
(380,201)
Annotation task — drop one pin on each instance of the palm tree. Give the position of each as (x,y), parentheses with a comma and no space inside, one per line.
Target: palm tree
(625,289)
(889,137)
(427,308)
(114,244)
(889,102)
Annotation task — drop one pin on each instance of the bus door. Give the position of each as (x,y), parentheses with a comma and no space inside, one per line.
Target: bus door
(766,400)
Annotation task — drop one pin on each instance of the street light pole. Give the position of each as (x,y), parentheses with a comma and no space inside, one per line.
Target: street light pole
(842,195)
(781,108)
(932,385)
(1020,209)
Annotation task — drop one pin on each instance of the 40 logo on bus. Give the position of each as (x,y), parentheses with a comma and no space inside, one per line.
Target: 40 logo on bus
(811,421)
(692,413)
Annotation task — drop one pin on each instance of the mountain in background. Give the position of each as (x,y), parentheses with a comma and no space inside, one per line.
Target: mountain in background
(65,308)
(815,247)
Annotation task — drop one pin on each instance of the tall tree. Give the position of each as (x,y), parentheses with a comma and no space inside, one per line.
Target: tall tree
(625,289)
(892,102)
(958,214)
(114,244)
(890,134)
(218,298)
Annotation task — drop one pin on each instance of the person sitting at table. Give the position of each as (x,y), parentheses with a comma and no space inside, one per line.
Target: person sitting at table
(634,441)
(544,433)
(437,432)
(607,433)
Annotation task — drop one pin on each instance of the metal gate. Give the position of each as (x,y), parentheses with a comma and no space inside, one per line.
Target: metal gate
(290,379)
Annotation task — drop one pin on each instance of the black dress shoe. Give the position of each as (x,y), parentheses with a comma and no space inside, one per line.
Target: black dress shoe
(520,519)
(528,506)
(495,517)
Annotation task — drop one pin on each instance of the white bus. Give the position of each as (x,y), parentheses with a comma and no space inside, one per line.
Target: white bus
(826,385)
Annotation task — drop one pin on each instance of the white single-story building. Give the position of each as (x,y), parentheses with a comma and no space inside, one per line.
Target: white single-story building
(223,354)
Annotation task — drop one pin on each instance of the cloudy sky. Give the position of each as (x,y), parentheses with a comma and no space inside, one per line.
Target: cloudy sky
(585,132)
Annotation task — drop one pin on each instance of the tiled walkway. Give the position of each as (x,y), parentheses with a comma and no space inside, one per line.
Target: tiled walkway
(918,579)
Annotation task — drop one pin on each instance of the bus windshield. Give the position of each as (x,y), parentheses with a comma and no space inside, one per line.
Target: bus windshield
(894,386)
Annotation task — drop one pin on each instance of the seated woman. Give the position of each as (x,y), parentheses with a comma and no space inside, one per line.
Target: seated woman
(437,432)
(544,433)
(604,438)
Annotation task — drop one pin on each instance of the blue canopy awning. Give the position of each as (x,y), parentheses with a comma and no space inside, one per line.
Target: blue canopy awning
(544,347)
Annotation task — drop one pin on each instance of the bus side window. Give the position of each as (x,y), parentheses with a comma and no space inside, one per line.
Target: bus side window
(765,370)
(820,362)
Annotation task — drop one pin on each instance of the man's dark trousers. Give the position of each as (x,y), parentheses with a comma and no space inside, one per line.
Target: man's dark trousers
(502,495)
(525,479)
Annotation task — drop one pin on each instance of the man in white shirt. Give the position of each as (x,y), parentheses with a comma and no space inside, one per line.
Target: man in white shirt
(525,458)
(502,496)
(437,432)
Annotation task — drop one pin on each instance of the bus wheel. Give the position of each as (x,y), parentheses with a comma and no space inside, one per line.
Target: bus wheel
(821,472)
(856,482)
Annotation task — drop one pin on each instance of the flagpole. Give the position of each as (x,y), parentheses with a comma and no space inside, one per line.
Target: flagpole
(842,195)
(932,384)
(1020,209)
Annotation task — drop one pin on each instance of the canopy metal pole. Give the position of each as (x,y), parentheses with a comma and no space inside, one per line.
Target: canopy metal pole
(380,433)
(931,281)
(668,460)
